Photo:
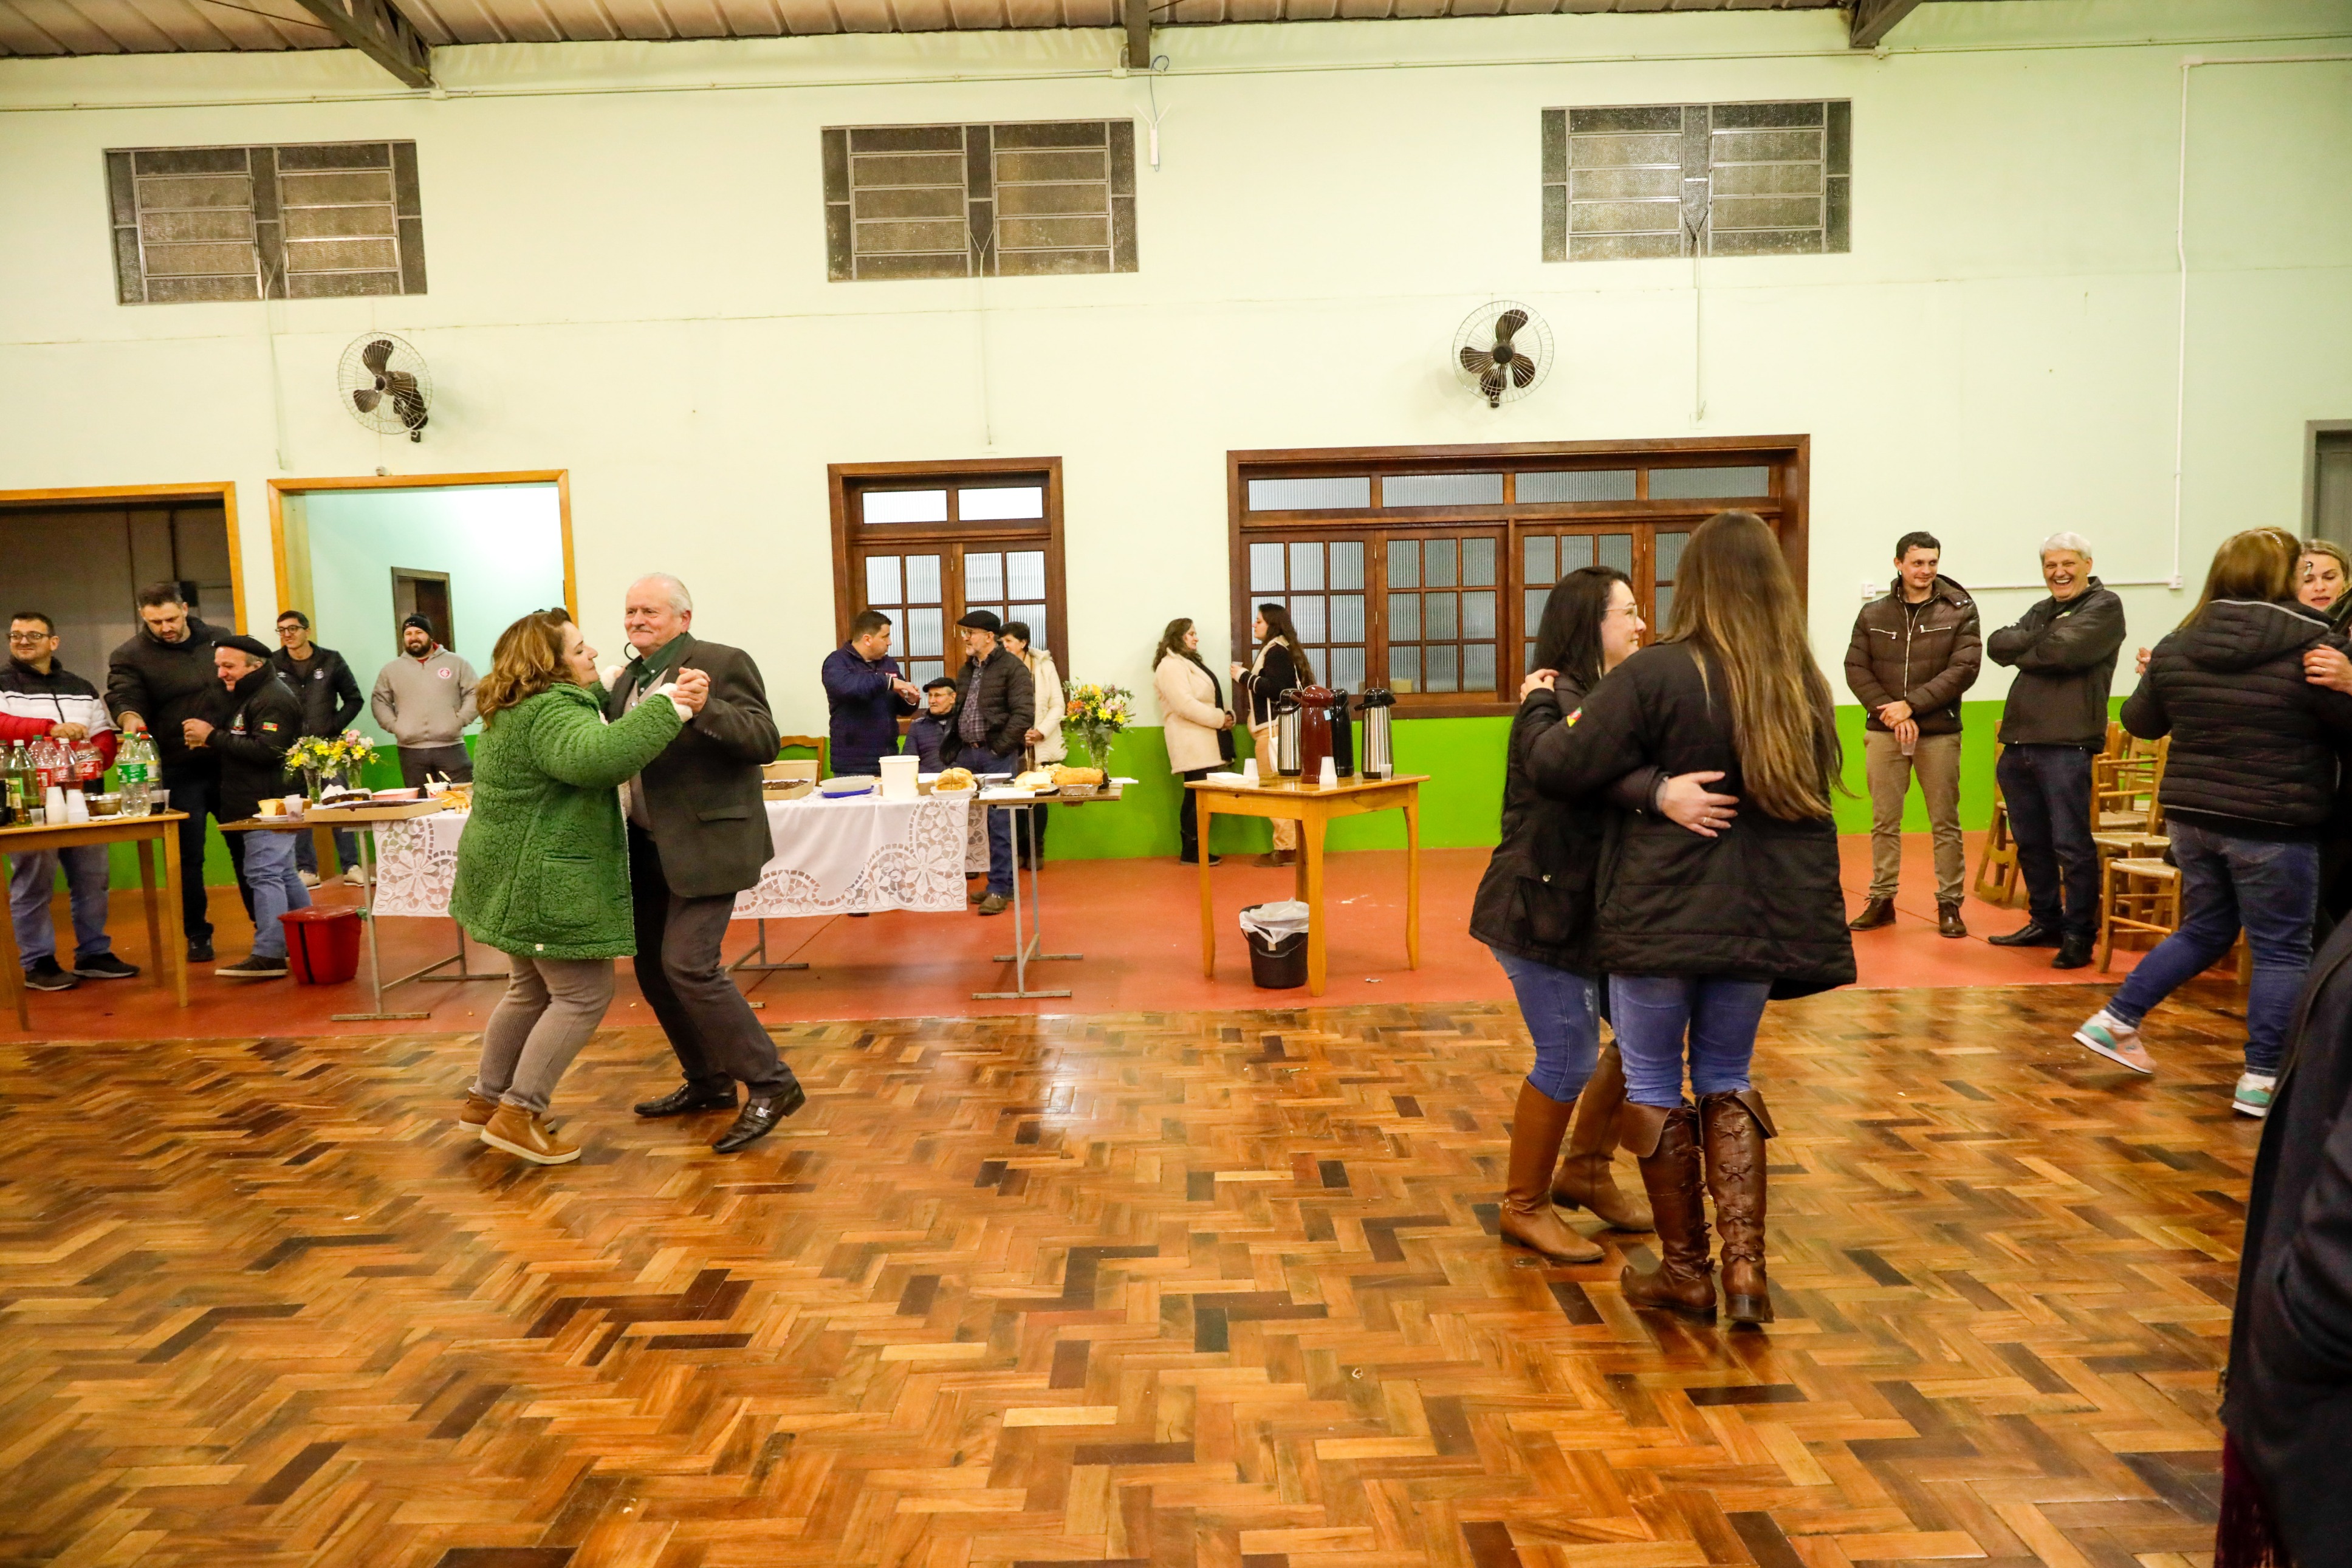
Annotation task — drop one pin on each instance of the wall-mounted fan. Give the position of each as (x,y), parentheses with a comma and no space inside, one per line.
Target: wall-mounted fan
(1504,350)
(384,385)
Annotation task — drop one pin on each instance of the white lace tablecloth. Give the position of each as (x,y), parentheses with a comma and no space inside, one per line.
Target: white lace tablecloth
(832,857)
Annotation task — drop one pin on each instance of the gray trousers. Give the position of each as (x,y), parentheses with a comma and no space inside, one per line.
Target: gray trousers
(551,1008)
(717,1036)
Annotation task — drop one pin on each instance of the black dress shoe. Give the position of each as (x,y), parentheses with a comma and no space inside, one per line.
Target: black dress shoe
(759,1118)
(199,951)
(2032,934)
(687,1098)
(2074,953)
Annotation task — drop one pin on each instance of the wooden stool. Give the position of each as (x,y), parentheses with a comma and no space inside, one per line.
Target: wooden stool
(2137,895)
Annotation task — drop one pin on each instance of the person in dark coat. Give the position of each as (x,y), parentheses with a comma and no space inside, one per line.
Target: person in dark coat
(931,737)
(697,836)
(2053,722)
(1534,912)
(1282,664)
(259,718)
(2249,785)
(2323,582)
(1697,934)
(996,702)
(331,700)
(2287,1395)
(865,697)
(157,681)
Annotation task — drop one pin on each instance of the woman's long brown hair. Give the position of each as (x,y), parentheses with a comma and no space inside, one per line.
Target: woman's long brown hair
(527,660)
(1735,598)
(2258,564)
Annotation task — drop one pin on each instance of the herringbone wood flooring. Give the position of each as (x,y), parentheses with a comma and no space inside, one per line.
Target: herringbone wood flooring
(1169,1289)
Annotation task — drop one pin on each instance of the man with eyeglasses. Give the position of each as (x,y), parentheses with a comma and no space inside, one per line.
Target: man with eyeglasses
(40,699)
(331,700)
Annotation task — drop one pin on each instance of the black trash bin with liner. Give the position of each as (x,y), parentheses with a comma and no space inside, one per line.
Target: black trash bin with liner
(1275,965)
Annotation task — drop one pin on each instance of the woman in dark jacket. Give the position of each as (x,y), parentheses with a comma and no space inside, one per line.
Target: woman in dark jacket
(2249,785)
(1281,665)
(1696,933)
(1534,912)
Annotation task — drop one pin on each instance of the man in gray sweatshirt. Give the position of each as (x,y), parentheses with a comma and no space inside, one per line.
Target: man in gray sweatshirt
(424,700)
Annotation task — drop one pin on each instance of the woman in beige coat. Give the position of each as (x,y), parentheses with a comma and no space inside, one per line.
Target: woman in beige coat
(1193,708)
(1046,746)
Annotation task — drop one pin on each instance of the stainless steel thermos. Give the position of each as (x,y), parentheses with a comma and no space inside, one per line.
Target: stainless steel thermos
(1286,735)
(1380,759)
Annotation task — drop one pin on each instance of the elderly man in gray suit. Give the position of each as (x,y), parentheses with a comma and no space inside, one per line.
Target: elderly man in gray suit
(698,836)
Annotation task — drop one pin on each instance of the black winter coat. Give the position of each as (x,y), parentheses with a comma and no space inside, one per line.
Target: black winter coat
(2288,1403)
(1276,673)
(1008,704)
(2064,655)
(1759,901)
(1535,901)
(2253,743)
(252,724)
(329,692)
(165,684)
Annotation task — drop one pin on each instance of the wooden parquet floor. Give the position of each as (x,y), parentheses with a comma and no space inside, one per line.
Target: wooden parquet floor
(1215,1289)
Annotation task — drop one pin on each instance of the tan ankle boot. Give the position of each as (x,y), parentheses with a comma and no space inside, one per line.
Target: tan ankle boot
(1736,1127)
(1526,1216)
(1587,1175)
(478,1109)
(1667,1142)
(526,1136)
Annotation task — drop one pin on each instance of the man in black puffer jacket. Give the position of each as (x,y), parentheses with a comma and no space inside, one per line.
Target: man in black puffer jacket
(2249,781)
(154,682)
(249,731)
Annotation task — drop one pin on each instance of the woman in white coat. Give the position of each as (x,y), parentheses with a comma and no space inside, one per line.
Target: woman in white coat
(1046,746)
(1197,726)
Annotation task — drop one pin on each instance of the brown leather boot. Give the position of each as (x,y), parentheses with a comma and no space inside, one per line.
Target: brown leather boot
(477,1111)
(1526,1217)
(526,1136)
(1736,1127)
(1587,1175)
(1949,922)
(1876,913)
(1667,1143)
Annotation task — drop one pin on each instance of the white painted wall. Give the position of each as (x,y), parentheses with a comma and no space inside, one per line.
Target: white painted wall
(628,281)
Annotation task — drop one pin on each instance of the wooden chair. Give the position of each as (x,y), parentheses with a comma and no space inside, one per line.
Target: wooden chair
(2123,782)
(2137,897)
(816,743)
(1999,881)
(2138,833)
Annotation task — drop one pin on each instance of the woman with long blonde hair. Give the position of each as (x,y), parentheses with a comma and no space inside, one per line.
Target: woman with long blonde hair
(2250,783)
(1696,934)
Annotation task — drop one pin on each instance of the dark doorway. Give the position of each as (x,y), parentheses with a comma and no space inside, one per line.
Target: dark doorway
(424,593)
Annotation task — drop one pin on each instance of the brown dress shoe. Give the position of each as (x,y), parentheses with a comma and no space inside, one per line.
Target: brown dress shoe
(1667,1142)
(1278,857)
(1736,1127)
(1876,913)
(1949,922)
(477,1111)
(1538,1123)
(1587,1175)
(526,1137)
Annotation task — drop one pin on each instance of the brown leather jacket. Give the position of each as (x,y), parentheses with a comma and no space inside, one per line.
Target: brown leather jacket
(1927,659)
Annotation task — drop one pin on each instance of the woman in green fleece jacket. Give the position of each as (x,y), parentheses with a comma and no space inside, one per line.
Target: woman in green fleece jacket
(543,865)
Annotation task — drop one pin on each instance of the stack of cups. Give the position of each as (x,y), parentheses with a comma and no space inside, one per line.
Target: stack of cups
(1249,770)
(1330,779)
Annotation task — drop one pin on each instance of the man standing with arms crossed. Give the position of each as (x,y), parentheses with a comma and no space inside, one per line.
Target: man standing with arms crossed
(698,836)
(1914,653)
(155,683)
(424,700)
(2055,721)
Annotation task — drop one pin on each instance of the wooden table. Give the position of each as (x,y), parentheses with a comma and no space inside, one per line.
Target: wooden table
(1313,808)
(167,941)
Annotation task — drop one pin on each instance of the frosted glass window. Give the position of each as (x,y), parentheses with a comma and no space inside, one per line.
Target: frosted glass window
(1404,669)
(1479,668)
(1670,554)
(1478,563)
(1307,566)
(1404,563)
(1000,503)
(1024,574)
(882,580)
(923,632)
(1438,672)
(1617,550)
(1034,617)
(922,579)
(1576,551)
(1536,600)
(983,578)
(1311,495)
(1540,559)
(1347,565)
(924,670)
(905,505)
(1347,671)
(1347,617)
(1576,485)
(1442,490)
(1266,568)
(1478,615)
(1438,558)
(1528,661)
(1307,615)
(1706,484)
(1404,618)
(1439,617)
(1665,606)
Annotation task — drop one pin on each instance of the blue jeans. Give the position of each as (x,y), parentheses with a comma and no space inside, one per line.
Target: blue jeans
(1000,824)
(347,850)
(1651,1015)
(1563,1019)
(2048,791)
(269,873)
(2272,890)
(33,878)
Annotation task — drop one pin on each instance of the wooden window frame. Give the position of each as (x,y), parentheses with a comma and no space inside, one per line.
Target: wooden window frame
(1787,509)
(846,481)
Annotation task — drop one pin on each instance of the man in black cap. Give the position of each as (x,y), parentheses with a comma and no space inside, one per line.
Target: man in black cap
(995,704)
(258,719)
(424,700)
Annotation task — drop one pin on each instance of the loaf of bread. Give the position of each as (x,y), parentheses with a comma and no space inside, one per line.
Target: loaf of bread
(954,780)
(1067,775)
(1035,778)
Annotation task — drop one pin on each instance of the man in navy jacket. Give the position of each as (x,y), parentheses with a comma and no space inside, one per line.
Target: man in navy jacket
(866,697)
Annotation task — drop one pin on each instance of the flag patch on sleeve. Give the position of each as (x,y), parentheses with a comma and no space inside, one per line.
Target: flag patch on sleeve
(1571,718)
(268,725)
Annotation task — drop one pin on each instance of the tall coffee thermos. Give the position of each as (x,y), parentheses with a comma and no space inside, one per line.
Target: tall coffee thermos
(1314,731)
(1343,737)
(1380,756)
(1286,724)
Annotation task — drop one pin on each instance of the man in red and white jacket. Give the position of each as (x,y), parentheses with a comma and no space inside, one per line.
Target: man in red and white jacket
(39,700)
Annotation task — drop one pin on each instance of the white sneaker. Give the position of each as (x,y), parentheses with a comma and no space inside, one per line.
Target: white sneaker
(356,877)
(2253,1095)
(2111,1038)
(309,878)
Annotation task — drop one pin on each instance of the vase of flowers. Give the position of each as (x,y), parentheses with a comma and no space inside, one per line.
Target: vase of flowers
(327,762)
(1097,712)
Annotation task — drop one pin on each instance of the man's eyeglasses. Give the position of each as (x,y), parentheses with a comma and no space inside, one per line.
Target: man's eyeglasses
(29,637)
